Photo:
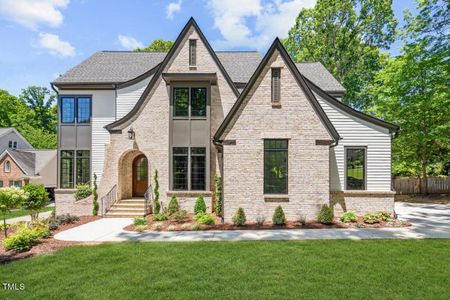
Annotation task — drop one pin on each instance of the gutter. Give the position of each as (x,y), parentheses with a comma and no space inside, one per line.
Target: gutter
(219,146)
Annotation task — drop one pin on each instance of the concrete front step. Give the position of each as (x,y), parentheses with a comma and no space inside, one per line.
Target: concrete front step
(123,215)
(127,210)
(129,205)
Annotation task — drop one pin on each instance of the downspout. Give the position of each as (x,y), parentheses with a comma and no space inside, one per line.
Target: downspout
(219,147)
(57,136)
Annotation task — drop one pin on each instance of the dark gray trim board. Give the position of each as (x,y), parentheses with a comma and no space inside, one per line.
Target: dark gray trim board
(277,45)
(190,24)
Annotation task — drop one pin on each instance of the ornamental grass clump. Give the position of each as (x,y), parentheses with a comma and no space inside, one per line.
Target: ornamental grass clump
(140,221)
(348,217)
(239,218)
(205,219)
(325,215)
(278,217)
(200,205)
(173,206)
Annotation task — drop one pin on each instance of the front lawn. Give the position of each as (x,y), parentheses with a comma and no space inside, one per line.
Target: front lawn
(371,269)
(22,212)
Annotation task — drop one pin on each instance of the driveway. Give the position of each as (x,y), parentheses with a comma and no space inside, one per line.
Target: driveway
(429,221)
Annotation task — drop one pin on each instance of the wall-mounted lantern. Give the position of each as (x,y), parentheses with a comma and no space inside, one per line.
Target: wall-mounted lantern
(131,134)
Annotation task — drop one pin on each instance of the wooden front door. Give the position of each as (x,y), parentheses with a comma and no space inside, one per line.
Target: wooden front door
(140,175)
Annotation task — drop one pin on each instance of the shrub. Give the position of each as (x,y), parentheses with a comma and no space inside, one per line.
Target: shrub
(140,221)
(348,217)
(83,191)
(260,220)
(95,200)
(37,199)
(173,205)
(218,209)
(239,217)
(66,219)
(10,198)
(53,226)
(40,231)
(180,216)
(302,219)
(160,217)
(385,216)
(197,227)
(171,227)
(200,205)
(156,204)
(141,228)
(21,241)
(205,219)
(278,217)
(157,227)
(325,215)
(372,218)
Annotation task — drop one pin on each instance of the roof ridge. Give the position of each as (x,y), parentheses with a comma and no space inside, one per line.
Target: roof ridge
(236,51)
(129,51)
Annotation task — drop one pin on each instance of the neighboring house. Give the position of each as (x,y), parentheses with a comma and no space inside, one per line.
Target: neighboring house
(20,167)
(275,131)
(10,138)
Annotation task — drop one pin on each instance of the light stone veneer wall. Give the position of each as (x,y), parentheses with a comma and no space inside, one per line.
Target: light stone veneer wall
(296,120)
(65,203)
(362,202)
(151,126)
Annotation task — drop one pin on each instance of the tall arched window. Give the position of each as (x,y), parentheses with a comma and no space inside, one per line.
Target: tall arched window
(7,166)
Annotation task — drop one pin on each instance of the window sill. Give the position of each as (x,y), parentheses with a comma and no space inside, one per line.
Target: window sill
(276,198)
(189,193)
(276,105)
(192,68)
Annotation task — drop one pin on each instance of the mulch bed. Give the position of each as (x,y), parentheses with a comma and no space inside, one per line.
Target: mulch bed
(46,246)
(190,223)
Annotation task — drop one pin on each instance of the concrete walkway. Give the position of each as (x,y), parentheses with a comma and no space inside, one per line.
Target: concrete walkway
(429,221)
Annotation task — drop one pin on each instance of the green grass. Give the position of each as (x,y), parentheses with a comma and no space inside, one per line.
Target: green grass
(357,173)
(21,213)
(371,269)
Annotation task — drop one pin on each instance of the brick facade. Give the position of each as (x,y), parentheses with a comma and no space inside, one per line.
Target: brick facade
(15,174)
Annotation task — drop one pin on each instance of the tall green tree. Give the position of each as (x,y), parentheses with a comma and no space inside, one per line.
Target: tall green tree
(158,45)
(346,37)
(413,92)
(11,110)
(42,104)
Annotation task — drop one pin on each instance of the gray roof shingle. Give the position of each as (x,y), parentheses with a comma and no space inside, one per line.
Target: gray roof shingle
(121,66)
(26,160)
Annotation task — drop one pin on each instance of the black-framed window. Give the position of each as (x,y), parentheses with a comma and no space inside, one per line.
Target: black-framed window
(192,52)
(76,109)
(15,183)
(275,166)
(67,168)
(83,167)
(1,183)
(12,144)
(276,85)
(355,168)
(190,102)
(180,168)
(198,168)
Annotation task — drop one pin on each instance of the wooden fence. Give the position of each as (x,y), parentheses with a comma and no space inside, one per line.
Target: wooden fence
(411,185)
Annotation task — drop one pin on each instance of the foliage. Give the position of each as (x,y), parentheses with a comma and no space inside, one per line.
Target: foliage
(140,221)
(260,220)
(348,217)
(82,191)
(141,228)
(160,217)
(10,198)
(157,227)
(171,227)
(66,219)
(200,205)
(204,218)
(325,215)
(173,205)
(158,45)
(239,218)
(37,199)
(180,216)
(197,227)
(156,204)
(20,241)
(372,218)
(218,196)
(95,200)
(40,100)
(278,217)
(346,37)
(413,92)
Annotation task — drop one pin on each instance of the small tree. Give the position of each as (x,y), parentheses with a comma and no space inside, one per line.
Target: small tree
(200,205)
(156,204)
(325,215)
(278,217)
(239,217)
(173,205)
(95,194)
(218,196)
(10,198)
(37,199)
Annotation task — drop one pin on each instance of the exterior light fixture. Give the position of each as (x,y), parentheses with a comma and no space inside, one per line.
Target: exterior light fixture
(131,134)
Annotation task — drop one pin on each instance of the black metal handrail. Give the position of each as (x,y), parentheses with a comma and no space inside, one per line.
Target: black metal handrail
(109,199)
(148,195)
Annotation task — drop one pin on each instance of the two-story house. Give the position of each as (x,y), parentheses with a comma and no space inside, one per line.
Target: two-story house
(275,132)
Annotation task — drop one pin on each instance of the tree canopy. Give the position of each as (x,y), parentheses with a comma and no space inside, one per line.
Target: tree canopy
(346,37)
(158,45)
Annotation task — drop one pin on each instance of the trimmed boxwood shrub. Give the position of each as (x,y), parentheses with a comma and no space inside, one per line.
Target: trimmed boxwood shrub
(180,216)
(278,217)
(83,191)
(348,217)
(372,218)
(173,205)
(325,215)
(140,221)
(205,219)
(160,217)
(239,217)
(200,205)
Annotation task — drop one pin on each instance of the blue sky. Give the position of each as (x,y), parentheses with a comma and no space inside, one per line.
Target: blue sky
(44,38)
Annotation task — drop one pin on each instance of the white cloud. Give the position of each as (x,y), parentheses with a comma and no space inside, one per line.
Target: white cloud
(254,22)
(54,45)
(172,8)
(129,43)
(32,13)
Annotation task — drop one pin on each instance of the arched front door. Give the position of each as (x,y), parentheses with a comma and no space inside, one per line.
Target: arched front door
(140,175)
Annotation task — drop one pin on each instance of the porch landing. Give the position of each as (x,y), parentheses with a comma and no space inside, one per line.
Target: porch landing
(127,208)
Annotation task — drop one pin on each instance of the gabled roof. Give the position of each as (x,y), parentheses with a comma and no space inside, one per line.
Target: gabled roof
(317,73)
(5,130)
(277,45)
(24,160)
(334,102)
(190,24)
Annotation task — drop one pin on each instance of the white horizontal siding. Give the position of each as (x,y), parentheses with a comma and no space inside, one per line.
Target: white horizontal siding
(357,132)
(127,97)
(100,137)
